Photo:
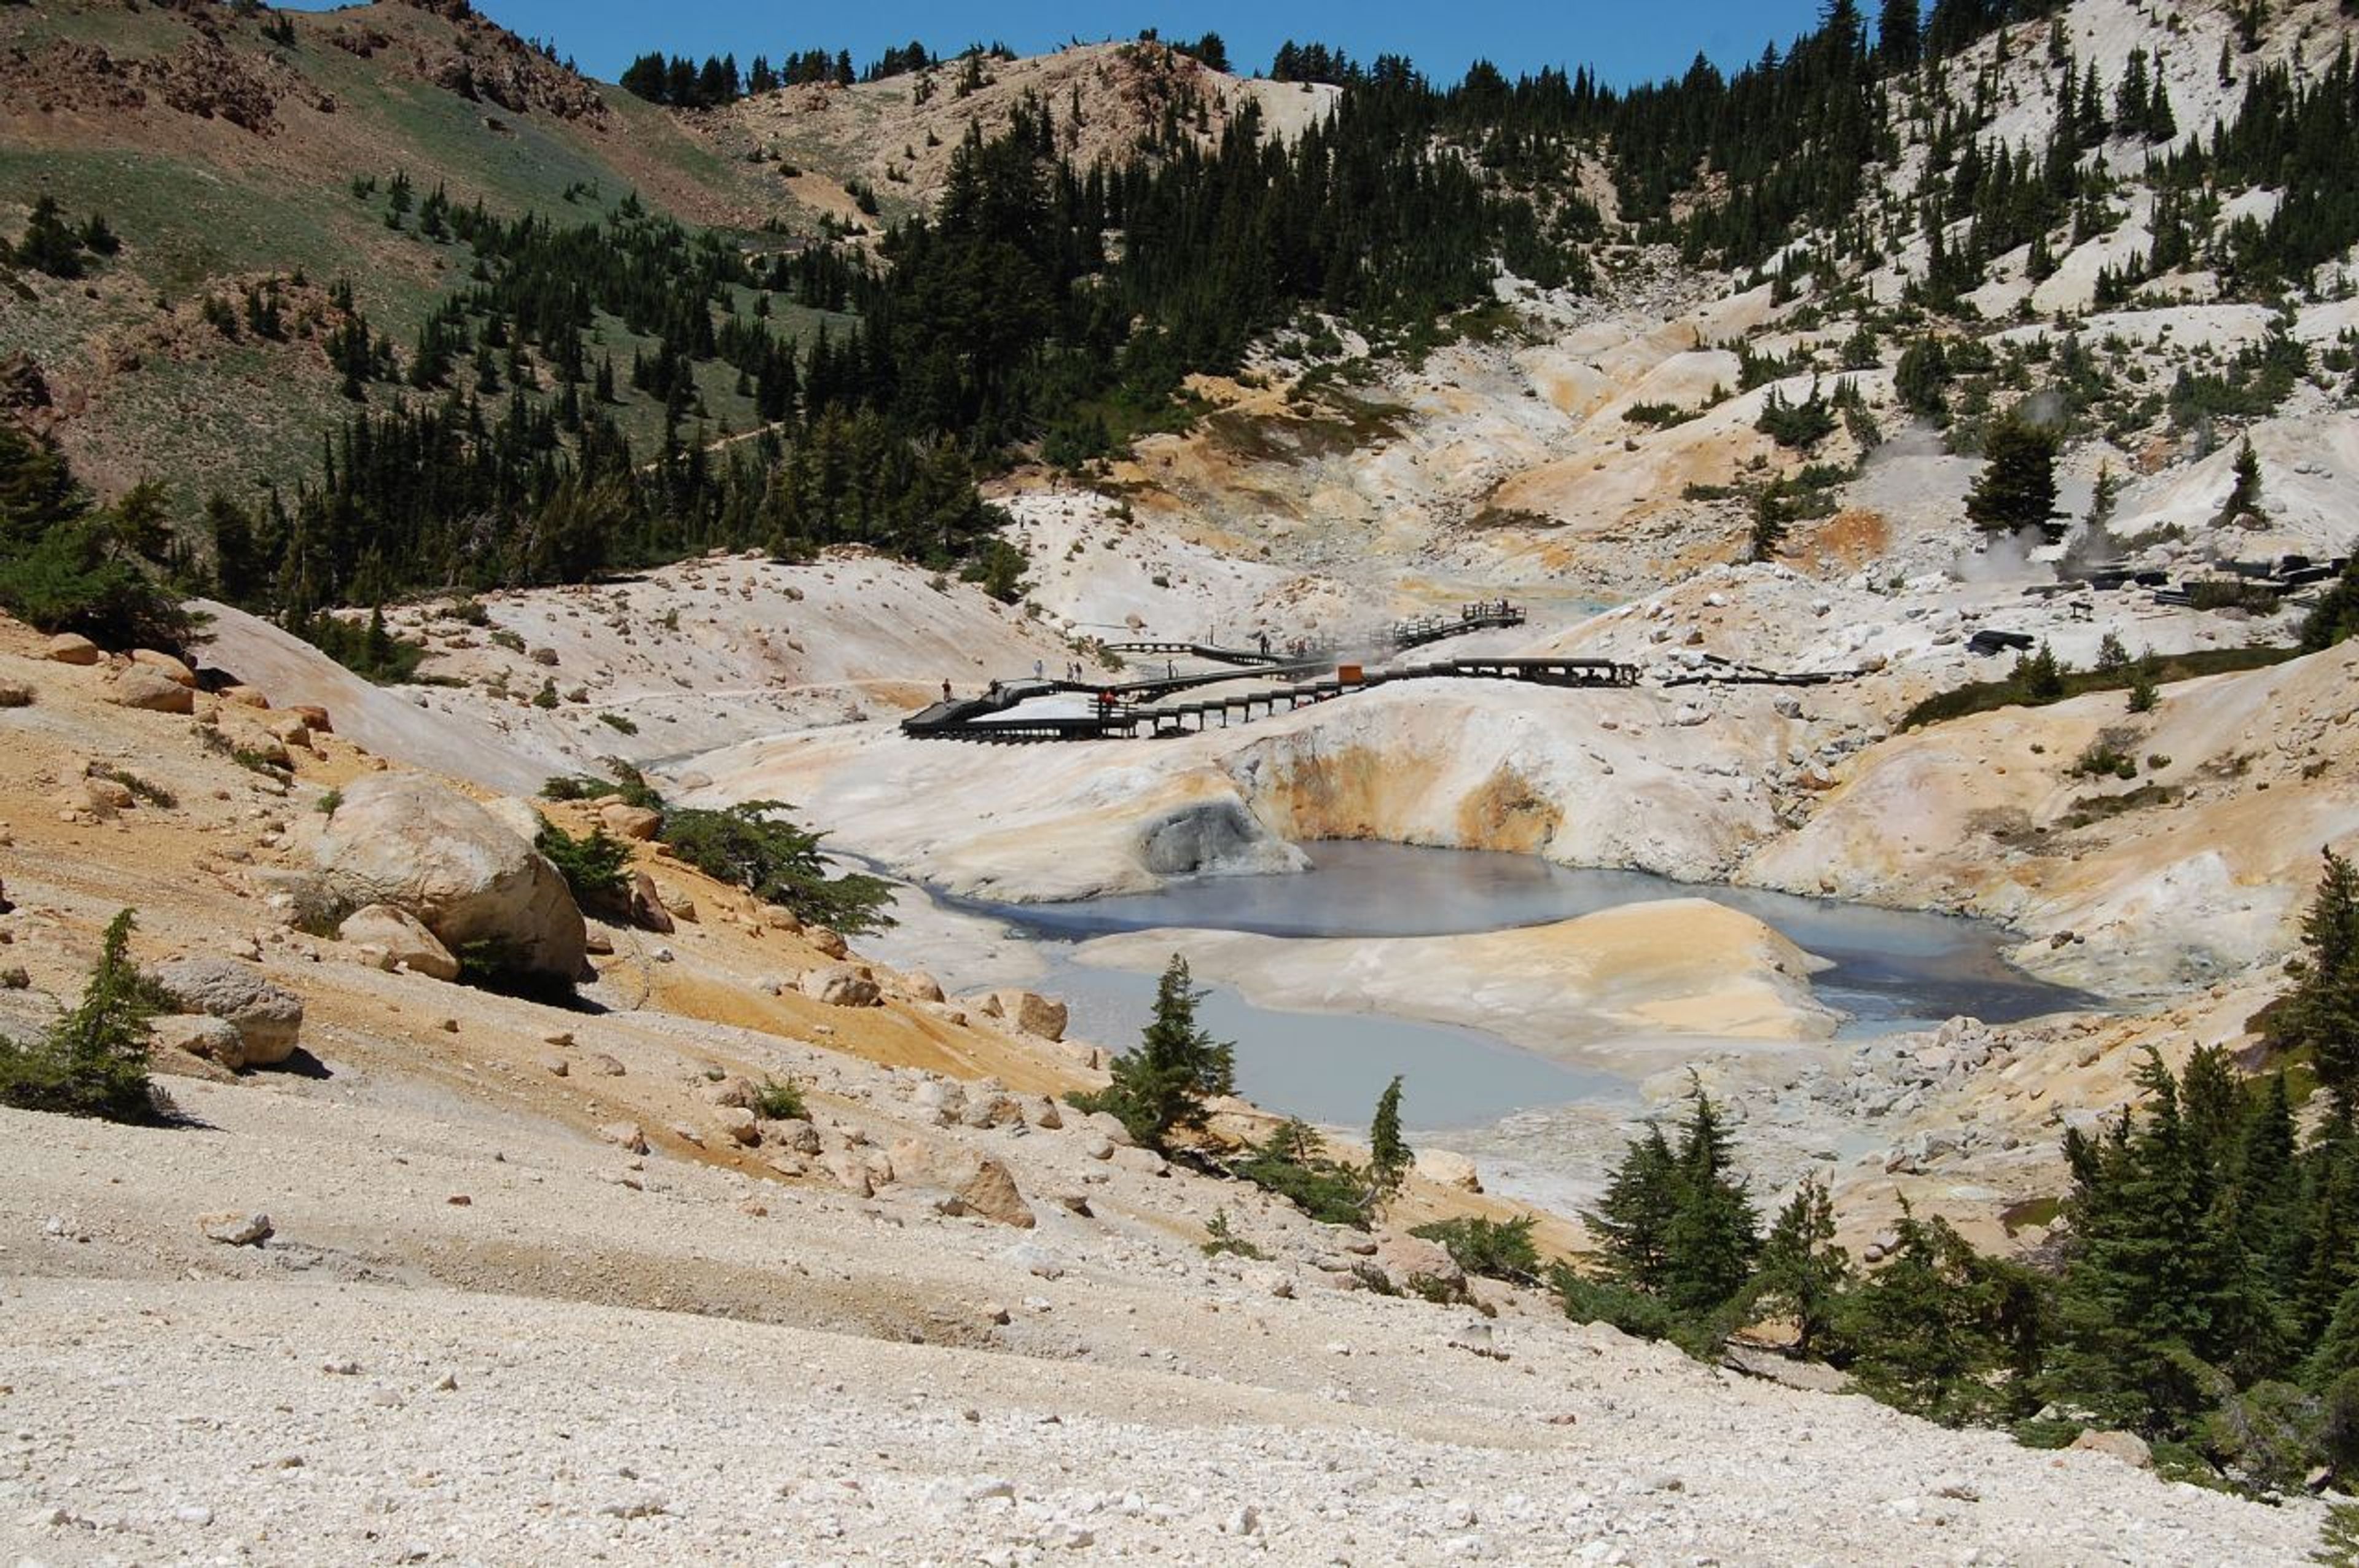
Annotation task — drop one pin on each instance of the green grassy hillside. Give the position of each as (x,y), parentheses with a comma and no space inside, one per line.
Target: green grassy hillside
(223,156)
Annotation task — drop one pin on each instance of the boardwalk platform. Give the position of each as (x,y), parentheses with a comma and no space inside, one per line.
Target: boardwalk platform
(1118,716)
(1413,632)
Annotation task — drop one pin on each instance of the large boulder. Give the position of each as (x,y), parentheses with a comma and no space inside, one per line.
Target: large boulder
(402,937)
(150,690)
(400,840)
(268,1017)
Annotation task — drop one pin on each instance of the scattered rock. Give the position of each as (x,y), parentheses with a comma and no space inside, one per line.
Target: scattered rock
(199,1035)
(268,1017)
(636,823)
(1031,1013)
(990,1192)
(1407,1259)
(165,665)
(629,1135)
(648,911)
(234,1230)
(1146,1162)
(842,985)
(149,691)
(71,648)
(793,1134)
(1448,1169)
(2126,1446)
(733,1090)
(979,1186)
(404,938)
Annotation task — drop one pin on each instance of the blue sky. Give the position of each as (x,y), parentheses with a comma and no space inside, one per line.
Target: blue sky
(1626,40)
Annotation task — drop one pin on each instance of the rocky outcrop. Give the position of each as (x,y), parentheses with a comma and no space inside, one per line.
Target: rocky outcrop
(406,841)
(267,1017)
(401,938)
(1217,836)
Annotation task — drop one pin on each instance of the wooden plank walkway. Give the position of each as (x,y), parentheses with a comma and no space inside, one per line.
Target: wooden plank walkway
(1115,717)
(1415,633)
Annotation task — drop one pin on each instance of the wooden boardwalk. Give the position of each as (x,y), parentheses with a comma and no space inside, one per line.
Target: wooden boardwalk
(1128,711)
(1415,633)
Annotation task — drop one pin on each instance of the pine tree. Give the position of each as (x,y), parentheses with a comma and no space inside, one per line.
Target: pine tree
(1941,1330)
(2323,1013)
(1922,379)
(2268,1179)
(1712,1239)
(2337,1353)
(1803,1274)
(2161,124)
(2037,678)
(2016,487)
(237,564)
(1633,1220)
(1773,516)
(94,1061)
(1161,1085)
(2329,1236)
(2162,1299)
(2243,495)
(1898,42)
(1389,1156)
(50,244)
(2336,615)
